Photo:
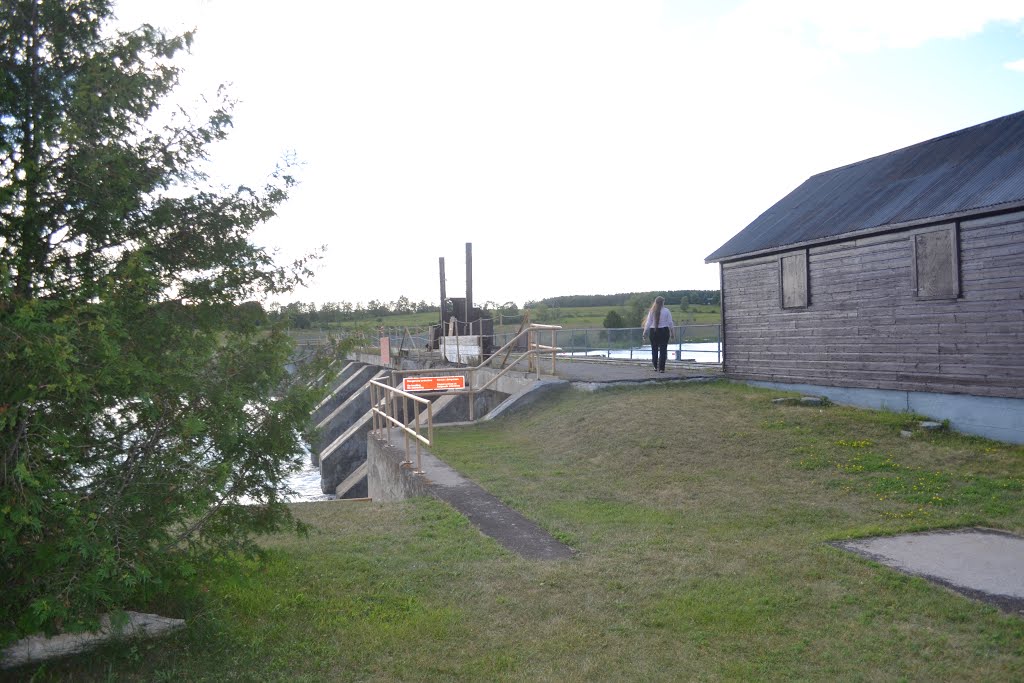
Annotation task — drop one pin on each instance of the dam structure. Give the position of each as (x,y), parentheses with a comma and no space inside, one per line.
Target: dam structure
(340,424)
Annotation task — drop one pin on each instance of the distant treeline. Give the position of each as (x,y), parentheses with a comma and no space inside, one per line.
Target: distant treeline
(304,315)
(709,297)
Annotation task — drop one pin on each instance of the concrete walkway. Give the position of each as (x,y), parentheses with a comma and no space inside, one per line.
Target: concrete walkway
(620,371)
(983,564)
(504,524)
(490,515)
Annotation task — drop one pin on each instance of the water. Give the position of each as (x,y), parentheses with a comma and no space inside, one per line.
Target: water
(704,352)
(306,484)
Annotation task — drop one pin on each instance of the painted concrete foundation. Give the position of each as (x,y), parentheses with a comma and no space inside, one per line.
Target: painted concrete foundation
(1001,419)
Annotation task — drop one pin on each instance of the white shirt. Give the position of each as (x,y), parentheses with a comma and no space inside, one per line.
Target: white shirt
(665,320)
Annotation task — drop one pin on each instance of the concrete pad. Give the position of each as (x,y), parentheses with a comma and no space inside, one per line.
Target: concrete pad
(41,648)
(983,564)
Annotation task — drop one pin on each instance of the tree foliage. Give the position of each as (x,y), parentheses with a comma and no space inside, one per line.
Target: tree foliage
(141,406)
(613,320)
(693,296)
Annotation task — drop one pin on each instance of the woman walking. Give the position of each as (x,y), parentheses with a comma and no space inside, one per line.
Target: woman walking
(659,323)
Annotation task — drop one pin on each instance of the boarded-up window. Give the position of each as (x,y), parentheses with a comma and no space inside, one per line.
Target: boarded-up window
(793,280)
(936,268)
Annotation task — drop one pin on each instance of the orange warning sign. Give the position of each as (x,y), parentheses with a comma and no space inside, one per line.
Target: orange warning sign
(434,383)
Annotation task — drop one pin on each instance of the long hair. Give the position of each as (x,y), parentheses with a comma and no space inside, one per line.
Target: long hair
(655,313)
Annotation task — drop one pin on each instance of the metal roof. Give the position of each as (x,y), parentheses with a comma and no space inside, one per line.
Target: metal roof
(974,169)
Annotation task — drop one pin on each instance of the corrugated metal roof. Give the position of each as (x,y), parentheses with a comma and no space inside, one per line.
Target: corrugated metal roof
(976,168)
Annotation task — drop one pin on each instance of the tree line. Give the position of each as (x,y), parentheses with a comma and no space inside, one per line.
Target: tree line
(305,314)
(705,297)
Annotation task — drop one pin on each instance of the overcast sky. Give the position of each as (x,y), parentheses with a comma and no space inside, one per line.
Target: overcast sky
(582,147)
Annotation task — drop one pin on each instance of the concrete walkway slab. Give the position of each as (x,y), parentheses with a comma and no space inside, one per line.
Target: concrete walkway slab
(389,479)
(983,564)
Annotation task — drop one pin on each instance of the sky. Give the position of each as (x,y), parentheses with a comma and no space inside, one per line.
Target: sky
(579,146)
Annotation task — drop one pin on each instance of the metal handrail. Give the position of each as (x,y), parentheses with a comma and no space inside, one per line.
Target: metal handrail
(628,340)
(384,402)
(533,349)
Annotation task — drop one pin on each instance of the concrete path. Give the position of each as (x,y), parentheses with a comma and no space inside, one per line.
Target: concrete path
(505,525)
(490,515)
(616,371)
(983,564)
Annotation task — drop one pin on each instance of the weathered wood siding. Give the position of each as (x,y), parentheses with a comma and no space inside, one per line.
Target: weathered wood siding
(864,327)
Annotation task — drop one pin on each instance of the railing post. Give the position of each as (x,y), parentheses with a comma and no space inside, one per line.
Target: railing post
(554,344)
(373,413)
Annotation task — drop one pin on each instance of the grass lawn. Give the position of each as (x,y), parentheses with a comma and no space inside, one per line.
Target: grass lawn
(700,515)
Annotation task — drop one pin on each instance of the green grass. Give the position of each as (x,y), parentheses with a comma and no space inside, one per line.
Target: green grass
(700,515)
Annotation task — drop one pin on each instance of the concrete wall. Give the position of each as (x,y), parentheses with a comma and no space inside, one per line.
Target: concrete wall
(344,455)
(387,479)
(336,391)
(1001,419)
(357,403)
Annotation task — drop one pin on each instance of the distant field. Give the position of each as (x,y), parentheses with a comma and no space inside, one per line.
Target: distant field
(576,317)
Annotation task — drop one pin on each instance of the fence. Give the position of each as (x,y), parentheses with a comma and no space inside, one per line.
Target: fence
(698,342)
(702,343)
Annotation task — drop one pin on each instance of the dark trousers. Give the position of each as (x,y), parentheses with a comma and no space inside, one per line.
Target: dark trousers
(659,346)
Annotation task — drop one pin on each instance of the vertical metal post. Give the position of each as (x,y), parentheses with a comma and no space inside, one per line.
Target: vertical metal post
(469,280)
(373,412)
(554,340)
(530,350)
(416,411)
(444,297)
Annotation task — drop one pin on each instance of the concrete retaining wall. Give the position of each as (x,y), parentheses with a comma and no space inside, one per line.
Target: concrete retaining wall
(355,405)
(337,391)
(387,479)
(1001,419)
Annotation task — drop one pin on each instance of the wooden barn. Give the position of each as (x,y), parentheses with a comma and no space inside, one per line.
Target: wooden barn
(895,282)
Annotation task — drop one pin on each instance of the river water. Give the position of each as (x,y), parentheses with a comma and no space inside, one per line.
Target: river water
(306,484)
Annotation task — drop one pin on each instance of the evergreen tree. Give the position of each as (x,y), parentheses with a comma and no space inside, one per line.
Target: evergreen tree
(140,407)
(613,320)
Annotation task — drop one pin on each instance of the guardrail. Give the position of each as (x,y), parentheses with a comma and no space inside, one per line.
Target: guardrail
(387,403)
(702,343)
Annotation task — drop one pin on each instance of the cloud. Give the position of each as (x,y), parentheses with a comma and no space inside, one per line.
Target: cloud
(1015,66)
(871,25)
